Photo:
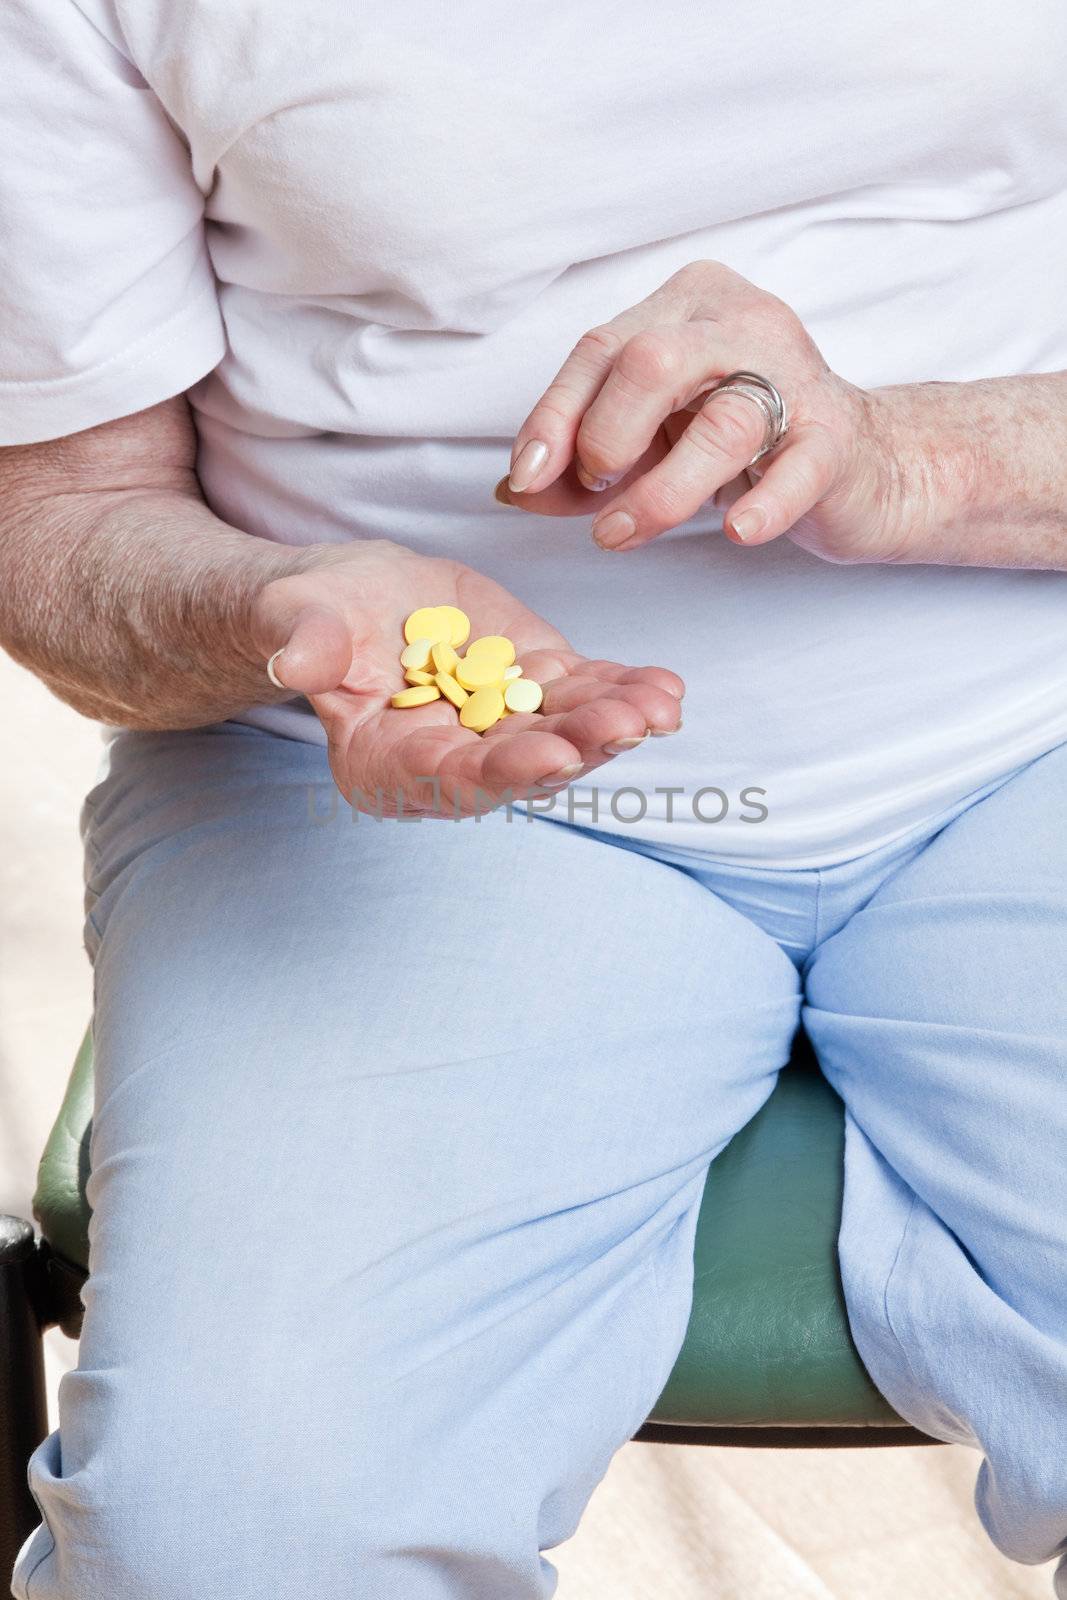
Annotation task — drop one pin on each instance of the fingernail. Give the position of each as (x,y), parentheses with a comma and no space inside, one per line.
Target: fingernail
(665,733)
(598,485)
(561,778)
(749,522)
(530,460)
(617,748)
(501,493)
(272,673)
(633,544)
(614,529)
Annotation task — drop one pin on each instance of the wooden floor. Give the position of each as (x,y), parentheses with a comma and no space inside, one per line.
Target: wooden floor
(666,1523)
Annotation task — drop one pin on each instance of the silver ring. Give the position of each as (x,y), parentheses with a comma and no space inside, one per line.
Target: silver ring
(271,674)
(753,386)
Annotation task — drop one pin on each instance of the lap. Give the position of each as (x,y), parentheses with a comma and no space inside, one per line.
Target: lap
(401,1130)
(440,1092)
(535,1017)
(251,957)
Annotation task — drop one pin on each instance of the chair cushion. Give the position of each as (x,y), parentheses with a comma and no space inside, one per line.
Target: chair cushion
(768,1343)
(59,1203)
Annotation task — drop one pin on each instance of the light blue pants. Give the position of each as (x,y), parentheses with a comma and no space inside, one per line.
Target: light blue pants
(401,1133)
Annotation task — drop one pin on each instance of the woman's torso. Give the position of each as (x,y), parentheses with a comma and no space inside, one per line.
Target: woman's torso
(413,215)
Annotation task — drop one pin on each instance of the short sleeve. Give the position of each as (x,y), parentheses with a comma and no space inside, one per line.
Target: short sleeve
(108,302)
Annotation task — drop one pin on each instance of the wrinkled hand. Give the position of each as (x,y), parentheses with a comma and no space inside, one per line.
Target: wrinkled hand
(846,482)
(339,625)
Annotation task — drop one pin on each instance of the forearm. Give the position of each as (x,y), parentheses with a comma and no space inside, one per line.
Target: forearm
(132,605)
(987,466)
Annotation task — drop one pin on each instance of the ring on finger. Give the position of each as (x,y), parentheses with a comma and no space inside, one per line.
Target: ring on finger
(763,393)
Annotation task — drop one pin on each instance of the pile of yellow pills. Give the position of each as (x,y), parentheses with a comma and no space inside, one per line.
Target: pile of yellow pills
(484,684)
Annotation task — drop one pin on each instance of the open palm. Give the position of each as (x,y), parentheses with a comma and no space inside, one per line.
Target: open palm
(341,625)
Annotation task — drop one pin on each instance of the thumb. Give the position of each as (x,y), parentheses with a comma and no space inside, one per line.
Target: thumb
(308,642)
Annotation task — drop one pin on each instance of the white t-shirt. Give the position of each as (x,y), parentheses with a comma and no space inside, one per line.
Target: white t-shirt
(366,238)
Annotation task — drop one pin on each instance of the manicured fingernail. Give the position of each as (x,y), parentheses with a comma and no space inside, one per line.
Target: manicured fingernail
(501,493)
(633,544)
(664,733)
(598,485)
(614,529)
(749,522)
(272,673)
(620,745)
(530,460)
(561,778)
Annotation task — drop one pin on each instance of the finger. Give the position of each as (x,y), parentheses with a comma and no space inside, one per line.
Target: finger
(796,478)
(659,711)
(544,444)
(458,773)
(655,373)
(723,435)
(545,666)
(567,496)
(527,758)
(309,646)
(602,728)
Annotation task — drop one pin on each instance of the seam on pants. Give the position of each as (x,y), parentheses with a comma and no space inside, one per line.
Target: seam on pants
(655,1343)
(805,964)
(38,1564)
(888,1283)
(959,1429)
(51,1537)
(921,1390)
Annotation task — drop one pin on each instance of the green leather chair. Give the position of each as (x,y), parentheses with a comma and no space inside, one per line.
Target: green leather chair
(767,1359)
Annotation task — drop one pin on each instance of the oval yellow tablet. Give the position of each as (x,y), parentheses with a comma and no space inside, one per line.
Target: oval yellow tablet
(484,707)
(479,672)
(451,689)
(511,673)
(495,645)
(421,695)
(523,694)
(416,654)
(429,622)
(459,625)
(415,676)
(444,658)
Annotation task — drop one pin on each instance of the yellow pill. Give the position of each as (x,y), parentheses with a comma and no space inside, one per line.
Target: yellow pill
(482,672)
(494,646)
(511,673)
(444,657)
(421,695)
(451,689)
(523,694)
(430,622)
(416,654)
(459,625)
(414,675)
(484,707)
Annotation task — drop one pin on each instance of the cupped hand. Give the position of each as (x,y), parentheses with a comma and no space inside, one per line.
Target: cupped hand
(625,431)
(338,624)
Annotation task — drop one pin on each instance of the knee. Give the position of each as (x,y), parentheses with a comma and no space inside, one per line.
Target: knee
(159,1513)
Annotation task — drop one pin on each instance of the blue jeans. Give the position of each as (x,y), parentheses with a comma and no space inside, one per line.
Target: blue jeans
(400,1136)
